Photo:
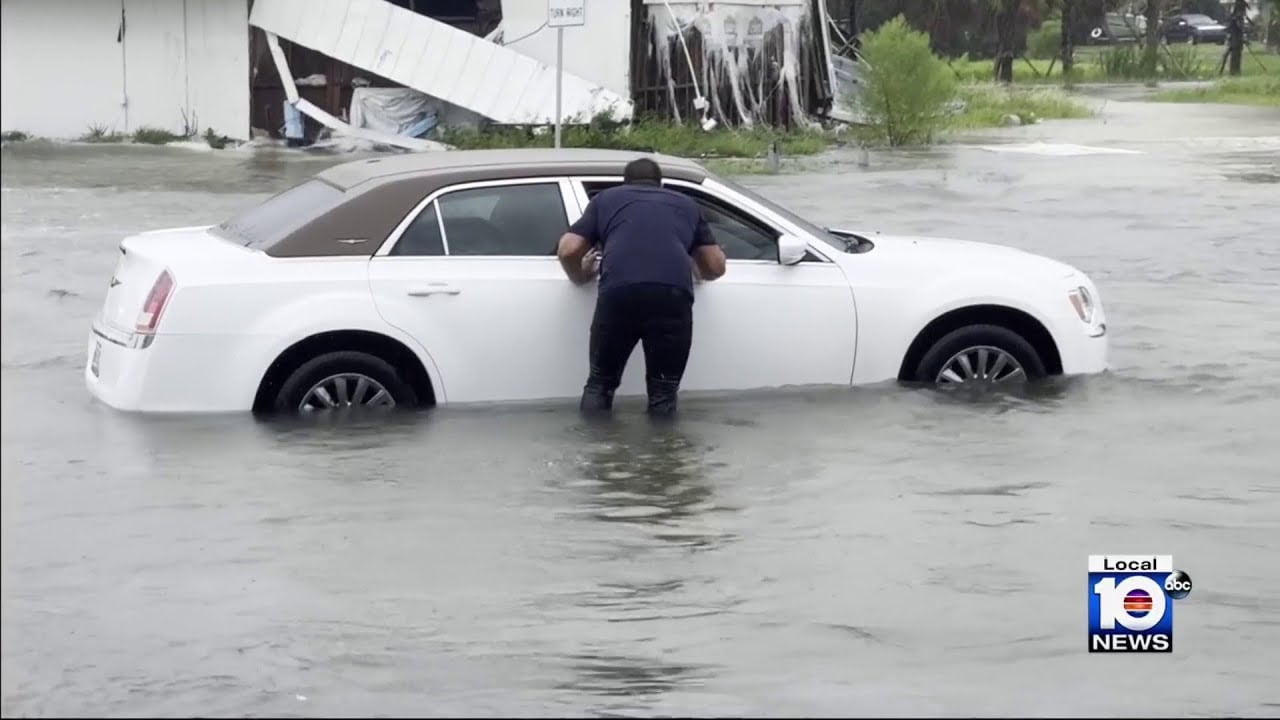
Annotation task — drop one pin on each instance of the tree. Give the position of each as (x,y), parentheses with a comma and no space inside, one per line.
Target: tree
(1068,27)
(1235,30)
(906,89)
(1149,56)
(1006,17)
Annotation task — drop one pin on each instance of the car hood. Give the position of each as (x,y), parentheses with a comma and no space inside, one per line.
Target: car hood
(928,252)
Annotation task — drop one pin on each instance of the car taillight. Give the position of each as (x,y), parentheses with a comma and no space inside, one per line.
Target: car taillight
(149,318)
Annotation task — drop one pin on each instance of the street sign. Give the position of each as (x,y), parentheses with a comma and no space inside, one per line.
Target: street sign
(560,15)
(566,13)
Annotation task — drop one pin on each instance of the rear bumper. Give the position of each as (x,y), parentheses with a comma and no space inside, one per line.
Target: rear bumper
(170,373)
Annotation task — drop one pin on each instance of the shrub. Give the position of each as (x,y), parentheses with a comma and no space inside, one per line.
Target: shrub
(906,89)
(1046,42)
(154,136)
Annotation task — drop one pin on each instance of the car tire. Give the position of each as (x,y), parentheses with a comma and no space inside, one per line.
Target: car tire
(350,366)
(976,336)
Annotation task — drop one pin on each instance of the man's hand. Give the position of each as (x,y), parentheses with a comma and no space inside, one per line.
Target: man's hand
(576,258)
(591,264)
(708,262)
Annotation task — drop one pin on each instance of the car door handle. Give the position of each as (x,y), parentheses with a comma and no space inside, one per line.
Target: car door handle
(433,289)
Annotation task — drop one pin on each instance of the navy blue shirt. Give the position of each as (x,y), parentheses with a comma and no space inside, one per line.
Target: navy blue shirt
(646,234)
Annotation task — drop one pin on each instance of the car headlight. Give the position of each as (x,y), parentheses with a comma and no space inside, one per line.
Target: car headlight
(1082,301)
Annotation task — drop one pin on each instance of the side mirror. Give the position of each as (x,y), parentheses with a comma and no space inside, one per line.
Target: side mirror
(791,249)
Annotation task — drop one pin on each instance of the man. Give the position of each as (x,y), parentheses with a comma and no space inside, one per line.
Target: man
(646,242)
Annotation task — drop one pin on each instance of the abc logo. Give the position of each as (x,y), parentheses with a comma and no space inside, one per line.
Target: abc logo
(1178,584)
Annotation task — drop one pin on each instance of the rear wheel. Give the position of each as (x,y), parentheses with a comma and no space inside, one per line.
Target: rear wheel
(980,356)
(343,380)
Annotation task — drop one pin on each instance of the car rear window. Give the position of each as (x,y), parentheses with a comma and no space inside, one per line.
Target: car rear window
(262,226)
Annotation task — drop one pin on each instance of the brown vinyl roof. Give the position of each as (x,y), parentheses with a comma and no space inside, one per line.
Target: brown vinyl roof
(379,192)
(563,161)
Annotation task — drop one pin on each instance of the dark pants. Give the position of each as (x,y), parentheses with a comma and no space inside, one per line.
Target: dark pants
(658,316)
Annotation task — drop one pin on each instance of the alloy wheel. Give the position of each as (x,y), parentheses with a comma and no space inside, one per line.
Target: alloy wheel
(346,390)
(980,365)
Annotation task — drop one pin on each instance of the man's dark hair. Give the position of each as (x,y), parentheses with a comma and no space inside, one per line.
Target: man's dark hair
(642,171)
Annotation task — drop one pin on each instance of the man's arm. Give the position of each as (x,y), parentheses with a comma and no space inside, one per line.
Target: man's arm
(576,244)
(573,252)
(708,258)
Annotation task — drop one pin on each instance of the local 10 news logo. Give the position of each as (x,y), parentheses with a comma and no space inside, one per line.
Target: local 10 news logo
(1131,602)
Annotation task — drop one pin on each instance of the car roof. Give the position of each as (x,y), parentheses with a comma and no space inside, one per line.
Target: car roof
(541,161)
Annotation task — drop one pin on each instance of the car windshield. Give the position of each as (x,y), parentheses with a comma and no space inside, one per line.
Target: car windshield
(1199,19)
(816,230)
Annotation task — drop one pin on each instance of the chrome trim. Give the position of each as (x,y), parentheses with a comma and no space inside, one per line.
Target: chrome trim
(444,238)
(130,341)
(566,193)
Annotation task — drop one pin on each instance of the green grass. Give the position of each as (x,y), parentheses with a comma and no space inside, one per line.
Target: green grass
(100,134)
(687,140)
(1256,90)
(154,136)
(1096,64)
(986,106)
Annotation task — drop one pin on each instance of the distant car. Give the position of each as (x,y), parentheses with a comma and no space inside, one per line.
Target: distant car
(431,278)
(1115,29)
(1194,28)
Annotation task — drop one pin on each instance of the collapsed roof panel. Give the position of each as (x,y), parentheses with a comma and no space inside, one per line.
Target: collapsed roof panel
(435,58)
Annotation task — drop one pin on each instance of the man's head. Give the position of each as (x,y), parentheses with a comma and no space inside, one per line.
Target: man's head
(642,172)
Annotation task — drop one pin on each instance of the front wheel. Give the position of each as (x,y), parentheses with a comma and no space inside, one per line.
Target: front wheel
(980,355)
(341,380)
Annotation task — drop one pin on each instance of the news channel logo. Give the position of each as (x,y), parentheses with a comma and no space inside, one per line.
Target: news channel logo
(1131,602)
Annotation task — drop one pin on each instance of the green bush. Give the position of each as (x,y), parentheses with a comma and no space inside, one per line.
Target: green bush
(1046,42)
(906,89)
(154,136)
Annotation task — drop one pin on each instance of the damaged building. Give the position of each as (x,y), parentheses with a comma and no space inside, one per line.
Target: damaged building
(391,71)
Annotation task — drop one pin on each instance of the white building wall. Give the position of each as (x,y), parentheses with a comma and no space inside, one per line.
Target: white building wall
(64,66)
(599,51)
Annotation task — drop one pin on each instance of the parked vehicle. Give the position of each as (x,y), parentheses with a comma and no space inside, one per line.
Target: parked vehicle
(1193,28)
(431,278)
(1111,29)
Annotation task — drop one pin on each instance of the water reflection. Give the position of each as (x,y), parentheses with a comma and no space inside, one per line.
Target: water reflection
(649,473)
(651,484)
(635,678)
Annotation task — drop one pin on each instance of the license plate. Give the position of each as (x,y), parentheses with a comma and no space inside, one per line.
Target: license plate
(97,355)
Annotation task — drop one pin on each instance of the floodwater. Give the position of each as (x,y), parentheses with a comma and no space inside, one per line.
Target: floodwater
(879,551)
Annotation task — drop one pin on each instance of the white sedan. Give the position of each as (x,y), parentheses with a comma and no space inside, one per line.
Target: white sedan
(431,278)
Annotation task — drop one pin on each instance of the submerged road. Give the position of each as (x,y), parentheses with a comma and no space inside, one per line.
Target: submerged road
(879,551)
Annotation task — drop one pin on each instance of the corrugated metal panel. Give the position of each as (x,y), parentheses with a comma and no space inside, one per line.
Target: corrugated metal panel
(435,58)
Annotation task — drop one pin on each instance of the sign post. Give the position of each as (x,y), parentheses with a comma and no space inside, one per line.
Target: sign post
(562,14)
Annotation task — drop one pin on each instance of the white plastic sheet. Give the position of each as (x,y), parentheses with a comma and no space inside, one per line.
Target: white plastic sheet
(405,111)
(395,111)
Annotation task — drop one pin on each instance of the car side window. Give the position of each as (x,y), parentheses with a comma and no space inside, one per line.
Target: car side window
(740,237)
(422,237)
(505,220)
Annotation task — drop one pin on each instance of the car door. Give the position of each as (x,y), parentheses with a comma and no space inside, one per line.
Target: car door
(762,324)
(472,275)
